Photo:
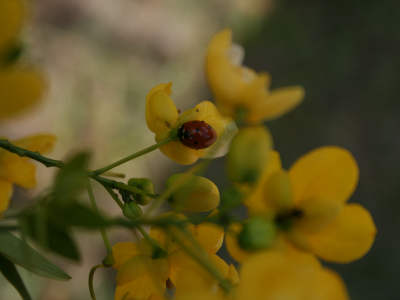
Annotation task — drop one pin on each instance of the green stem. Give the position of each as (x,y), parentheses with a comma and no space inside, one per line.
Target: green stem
(94,205)
(5,144)
(91,275)
(120,185)
(135,155)
(148,237)
(200,258)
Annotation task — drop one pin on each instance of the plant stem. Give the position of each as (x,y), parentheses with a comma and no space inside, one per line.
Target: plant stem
(148,237)
(94,205)
(91,275)
(201,259)
(135,155)
(5,144)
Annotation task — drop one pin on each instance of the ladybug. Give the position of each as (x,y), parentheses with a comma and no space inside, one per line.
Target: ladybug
(196,135)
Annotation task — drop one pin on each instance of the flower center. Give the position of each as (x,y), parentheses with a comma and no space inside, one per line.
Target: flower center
(285,220)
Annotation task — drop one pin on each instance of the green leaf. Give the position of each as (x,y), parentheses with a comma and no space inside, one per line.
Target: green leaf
(53,236)
(8,269)
(76,214)
(70,180)
(26,257)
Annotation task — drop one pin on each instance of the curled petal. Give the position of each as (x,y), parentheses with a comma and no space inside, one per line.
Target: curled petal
(209,235)
(329,172)
(277,103)
(347,238)
(328,285)
(6,189)
(20,90)
(161,112)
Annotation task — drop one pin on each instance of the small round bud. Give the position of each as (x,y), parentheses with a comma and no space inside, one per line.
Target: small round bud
(248,154)
(257,234)
(143,184)
(132,211)
(191,192)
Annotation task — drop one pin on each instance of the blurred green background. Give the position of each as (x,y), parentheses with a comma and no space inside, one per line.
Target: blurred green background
(102,57)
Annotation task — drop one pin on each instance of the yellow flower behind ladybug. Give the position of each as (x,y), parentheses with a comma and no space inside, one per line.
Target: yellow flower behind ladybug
(201,132)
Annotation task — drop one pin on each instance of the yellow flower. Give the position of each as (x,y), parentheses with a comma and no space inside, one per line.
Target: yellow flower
(269,275)
(308,205)
(20,88)
(162,117)
(237,87)
(18,170)
(143,271)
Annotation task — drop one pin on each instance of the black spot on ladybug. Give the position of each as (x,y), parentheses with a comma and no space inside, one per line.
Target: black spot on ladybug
(194,122)
(203,121)
(196,142)
(186,135)
(209,126)
(197,130)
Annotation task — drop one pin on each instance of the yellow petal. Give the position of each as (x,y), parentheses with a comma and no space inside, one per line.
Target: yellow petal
(232,244)
(161,112)
(180,260)
(219,264)
(135,267)
(269,276)
(139,289)
(179,153)
(277,103)
(21,172)
(298,239)
(124,251)
(318,213)
(156,297)
(328,285)
(12,13)
(6,190)
(278,191)
(220,42)
(347,238)
(255,201)
(329,171)
(43,143)
(233,275)
(210,236)
(224,126)
(20,90)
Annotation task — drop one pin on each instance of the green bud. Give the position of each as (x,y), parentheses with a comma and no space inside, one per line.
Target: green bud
(248,154)
(143,184)
(257,234)
(132,211)
(191,192)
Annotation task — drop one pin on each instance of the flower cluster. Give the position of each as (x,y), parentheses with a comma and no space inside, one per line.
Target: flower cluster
(294,218)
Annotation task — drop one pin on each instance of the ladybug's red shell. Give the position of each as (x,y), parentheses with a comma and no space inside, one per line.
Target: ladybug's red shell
(197,134)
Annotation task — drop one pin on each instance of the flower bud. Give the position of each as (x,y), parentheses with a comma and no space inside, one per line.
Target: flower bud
(191,192)
(248,154)
(143,184)
(257,234)
(132,211)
